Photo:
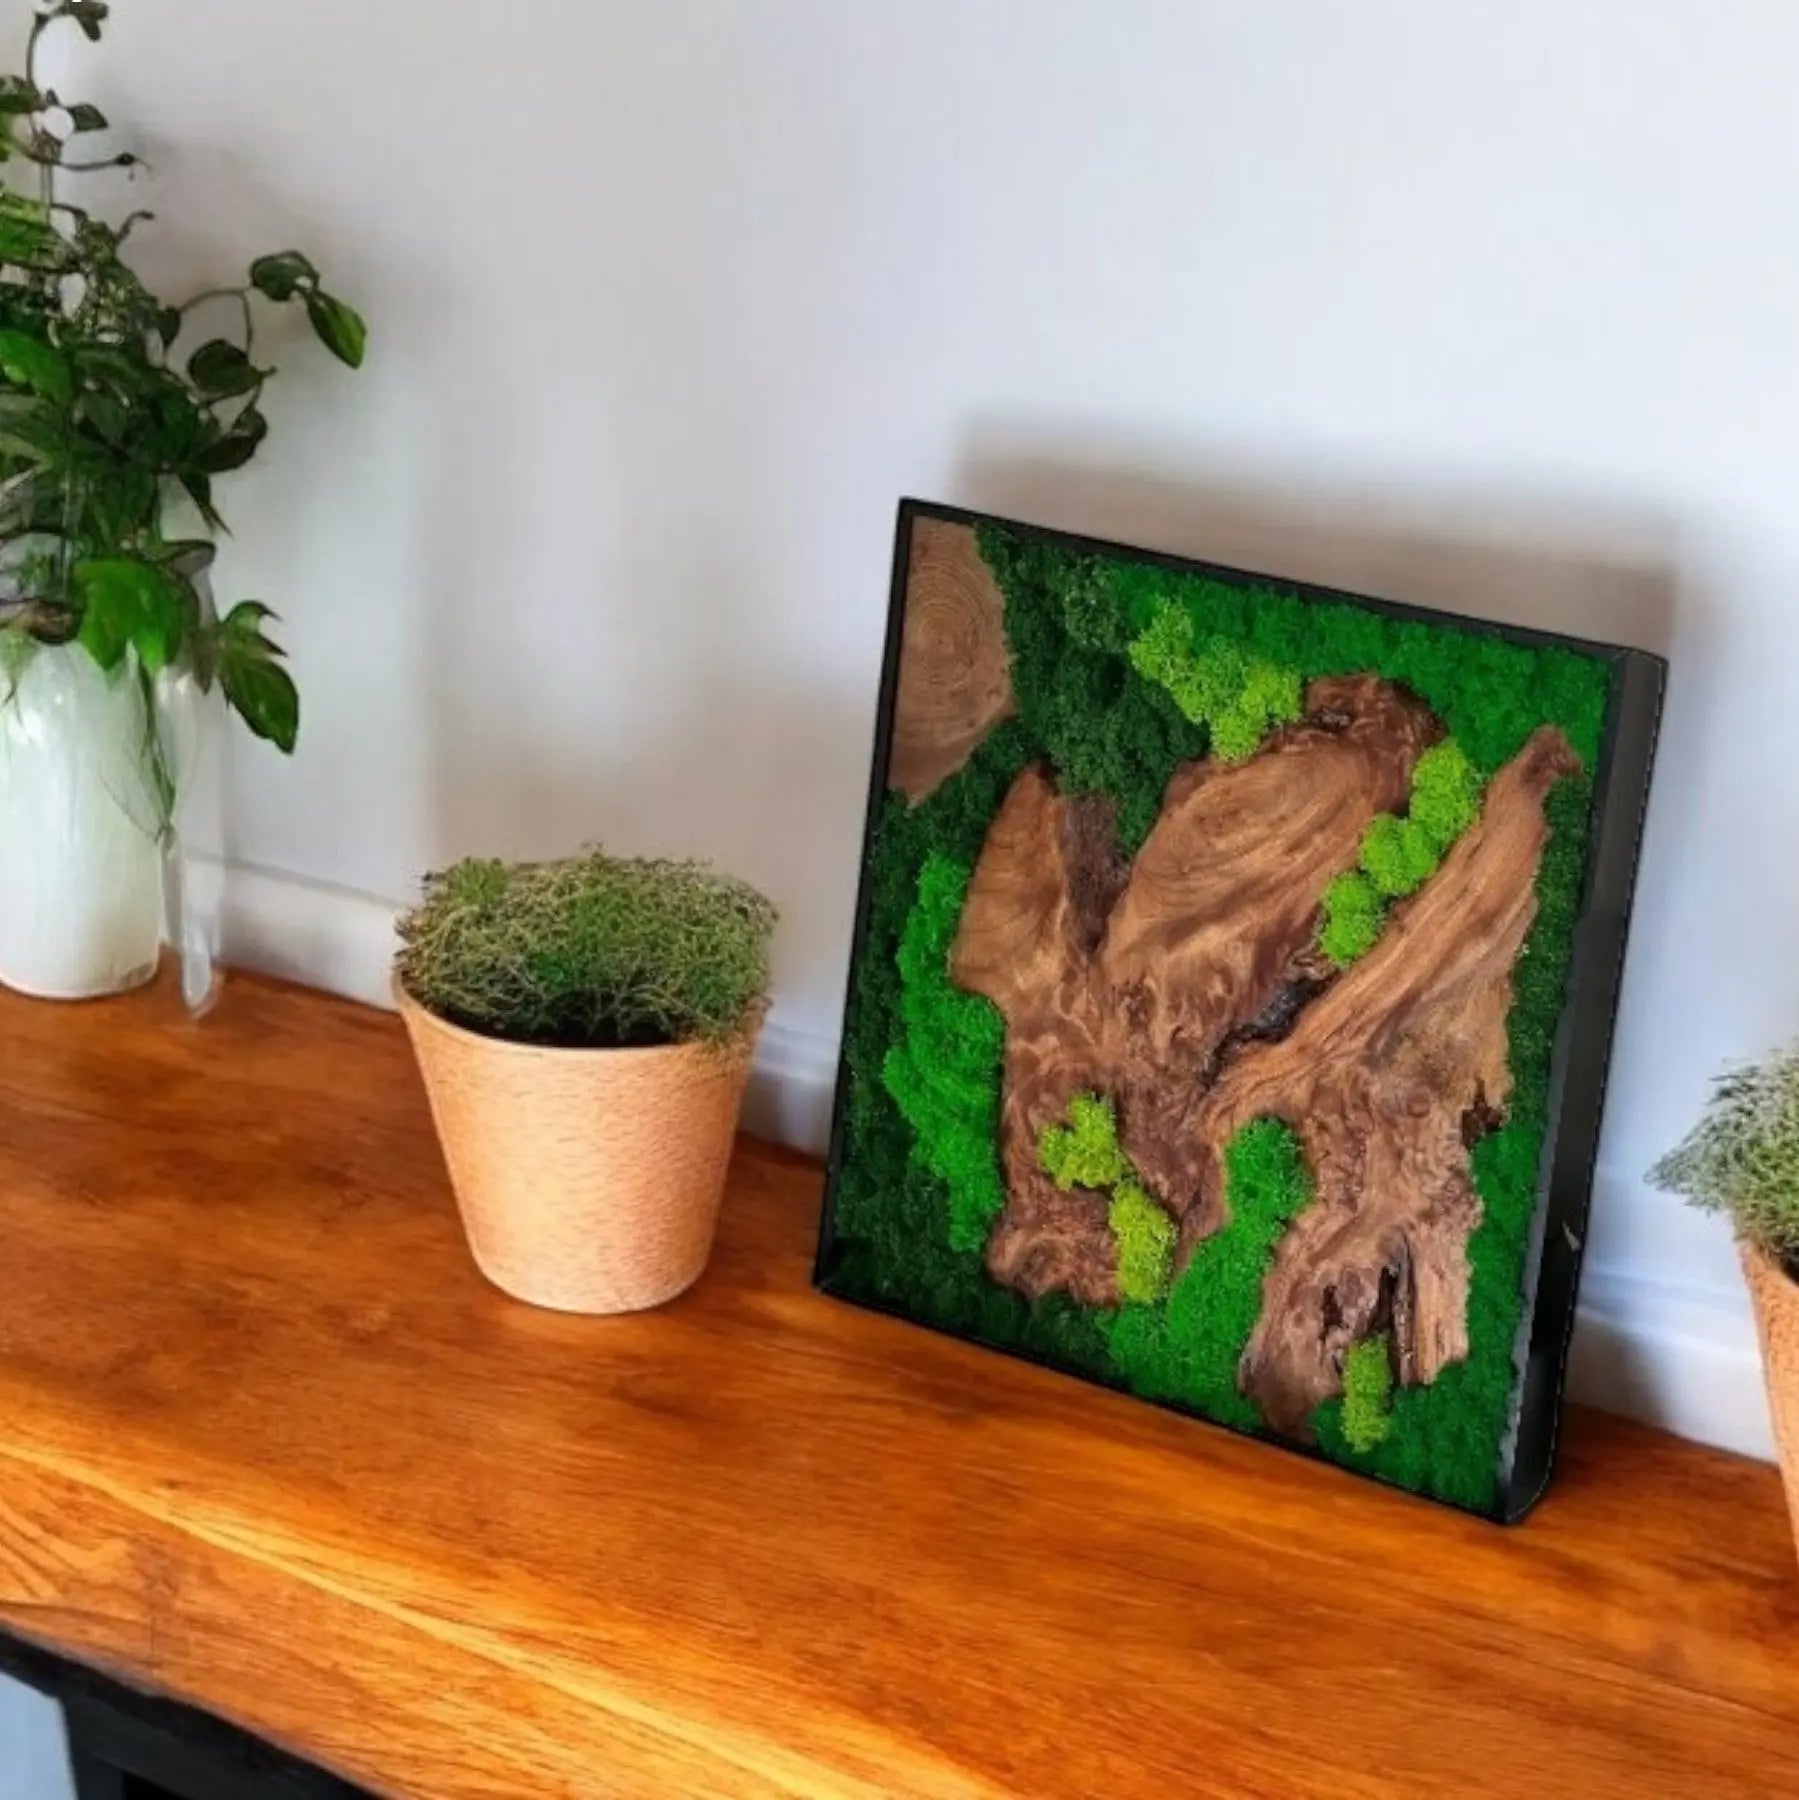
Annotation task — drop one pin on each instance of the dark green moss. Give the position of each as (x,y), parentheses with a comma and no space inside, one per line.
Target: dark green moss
(1105,729)
(1070,621)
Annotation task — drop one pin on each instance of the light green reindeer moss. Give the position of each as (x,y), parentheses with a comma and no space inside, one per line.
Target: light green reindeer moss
(1445,794)
(1352,917)
(1145,1236)
(1218,683)
(1084,1152)
(1398,855)
(1368,1392)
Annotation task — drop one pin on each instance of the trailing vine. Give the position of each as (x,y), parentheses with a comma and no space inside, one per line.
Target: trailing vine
(104,427)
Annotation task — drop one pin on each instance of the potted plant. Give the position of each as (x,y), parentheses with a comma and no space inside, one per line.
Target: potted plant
(584,1029)
(1742,1159)
(118,412)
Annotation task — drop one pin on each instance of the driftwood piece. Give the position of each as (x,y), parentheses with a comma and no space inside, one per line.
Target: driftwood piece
(955,680)
(1387,1076)
(1130,981)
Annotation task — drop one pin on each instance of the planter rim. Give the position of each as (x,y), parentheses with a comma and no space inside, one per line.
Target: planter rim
(1769,1265)
(690,1047)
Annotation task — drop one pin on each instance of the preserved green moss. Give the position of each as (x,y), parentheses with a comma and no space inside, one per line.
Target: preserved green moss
(1084,1152)
(1071,620)
(1351,921)
(1445,794)
(1397,856)
(940,1073)
(1368,1392)
(1217,682)
(1145,1238)
(1188,1349)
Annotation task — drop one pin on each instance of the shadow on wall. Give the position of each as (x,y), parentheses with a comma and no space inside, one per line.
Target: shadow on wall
(1599,570)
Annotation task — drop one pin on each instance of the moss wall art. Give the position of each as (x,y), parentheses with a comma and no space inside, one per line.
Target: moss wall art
(1215,941)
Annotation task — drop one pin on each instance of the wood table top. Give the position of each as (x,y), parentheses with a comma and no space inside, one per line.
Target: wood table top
(270,1445)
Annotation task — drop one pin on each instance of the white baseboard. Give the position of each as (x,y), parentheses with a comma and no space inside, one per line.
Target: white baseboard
(1685,1359)
(1680,1358)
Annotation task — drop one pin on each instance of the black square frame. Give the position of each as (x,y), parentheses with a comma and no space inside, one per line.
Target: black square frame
(1584,1036)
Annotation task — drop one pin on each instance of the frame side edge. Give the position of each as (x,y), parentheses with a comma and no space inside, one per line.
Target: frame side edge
(1591,1017)
(887,691)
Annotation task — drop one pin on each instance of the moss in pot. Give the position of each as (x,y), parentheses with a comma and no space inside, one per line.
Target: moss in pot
(1742,1159)
(584,1029)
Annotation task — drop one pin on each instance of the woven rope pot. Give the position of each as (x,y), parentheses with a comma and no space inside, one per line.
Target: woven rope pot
(588,1180)
(1776,1298)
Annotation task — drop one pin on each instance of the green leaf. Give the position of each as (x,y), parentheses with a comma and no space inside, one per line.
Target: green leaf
(168,324)
(84,117)
(220,370)
(89,15)
(340,328)
(26,234)
(108,415)
(29,362)
(18,96)
(199,490)
(251,674)
(238,445)
(129,604)
(282,275)
(30,430)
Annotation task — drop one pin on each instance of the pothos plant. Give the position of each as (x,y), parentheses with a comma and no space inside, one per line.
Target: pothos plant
(105,429)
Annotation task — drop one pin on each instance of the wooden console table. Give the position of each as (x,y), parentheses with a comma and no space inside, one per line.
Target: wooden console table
(271,1448)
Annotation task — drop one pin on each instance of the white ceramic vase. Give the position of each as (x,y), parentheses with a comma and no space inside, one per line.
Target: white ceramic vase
(89,770)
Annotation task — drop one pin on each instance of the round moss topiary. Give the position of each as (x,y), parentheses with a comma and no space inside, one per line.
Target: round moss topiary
(594,952)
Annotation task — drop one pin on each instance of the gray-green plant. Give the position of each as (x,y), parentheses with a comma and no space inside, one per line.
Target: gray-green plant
(1742,1158)
(103,429)
(593,952)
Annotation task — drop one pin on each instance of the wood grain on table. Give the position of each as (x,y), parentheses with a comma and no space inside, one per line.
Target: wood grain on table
(270,1445)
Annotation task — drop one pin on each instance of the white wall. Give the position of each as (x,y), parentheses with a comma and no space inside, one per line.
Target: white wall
(33,1762)
(1490,307)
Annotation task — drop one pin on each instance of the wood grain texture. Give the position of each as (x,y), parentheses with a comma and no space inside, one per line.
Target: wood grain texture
(1131,980)
(955,674)
(269,1443)
(1382,1076)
